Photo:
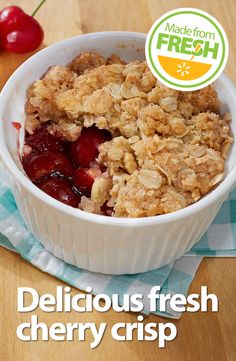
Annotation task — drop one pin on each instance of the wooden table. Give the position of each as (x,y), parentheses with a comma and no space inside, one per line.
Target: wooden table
(201,336)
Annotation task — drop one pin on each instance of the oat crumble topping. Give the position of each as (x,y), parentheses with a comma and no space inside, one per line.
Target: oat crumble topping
(168,147)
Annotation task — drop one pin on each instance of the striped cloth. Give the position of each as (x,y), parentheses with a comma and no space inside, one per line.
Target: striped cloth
(220,240)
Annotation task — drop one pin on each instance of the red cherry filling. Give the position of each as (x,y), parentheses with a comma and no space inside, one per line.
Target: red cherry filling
(84,178)
(61,190)
(45,156)
(43,164)
(42,141)
(106,211)
(85,149)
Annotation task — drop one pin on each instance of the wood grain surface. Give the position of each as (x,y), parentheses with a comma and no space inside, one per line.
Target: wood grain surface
(201,336)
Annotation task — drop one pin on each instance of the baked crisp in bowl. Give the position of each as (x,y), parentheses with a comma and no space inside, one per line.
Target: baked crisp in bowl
(165,151)
(120,144)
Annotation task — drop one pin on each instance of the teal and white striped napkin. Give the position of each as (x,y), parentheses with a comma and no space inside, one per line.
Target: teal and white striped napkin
(220,240)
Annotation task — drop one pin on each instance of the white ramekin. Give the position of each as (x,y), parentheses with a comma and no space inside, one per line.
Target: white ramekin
(93,242)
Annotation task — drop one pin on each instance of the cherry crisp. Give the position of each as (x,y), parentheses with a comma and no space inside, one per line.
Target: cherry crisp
(107,137)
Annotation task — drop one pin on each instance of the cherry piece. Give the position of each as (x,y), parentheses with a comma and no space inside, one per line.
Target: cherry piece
(84,178)
(42,165)
(41,141)
(85,149)
(61,190)
(106,211)
(19,32)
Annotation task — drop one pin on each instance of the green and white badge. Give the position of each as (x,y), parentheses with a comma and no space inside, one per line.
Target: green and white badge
(186,49)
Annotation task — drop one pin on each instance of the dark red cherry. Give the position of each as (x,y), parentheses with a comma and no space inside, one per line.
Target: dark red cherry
(61,190)
(85,149)
(106,211)
(19,32)
(84,178)
(43,164)
(42,141)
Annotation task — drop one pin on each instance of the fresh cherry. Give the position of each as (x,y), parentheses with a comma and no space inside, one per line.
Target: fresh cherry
(85,149)
(19,32)
(9,13)
(61,190)
(41,165)
(84,178)
(41,141)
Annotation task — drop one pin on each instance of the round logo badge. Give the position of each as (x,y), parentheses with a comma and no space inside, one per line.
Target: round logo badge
(186,49)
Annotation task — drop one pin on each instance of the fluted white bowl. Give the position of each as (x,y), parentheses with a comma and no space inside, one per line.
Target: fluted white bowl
(94,242)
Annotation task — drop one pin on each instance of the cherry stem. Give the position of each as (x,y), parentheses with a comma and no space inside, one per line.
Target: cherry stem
(38,7)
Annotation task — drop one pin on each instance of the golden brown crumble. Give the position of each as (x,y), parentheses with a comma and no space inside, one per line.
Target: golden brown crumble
(168,147)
